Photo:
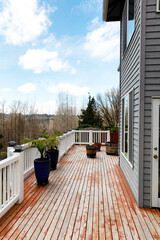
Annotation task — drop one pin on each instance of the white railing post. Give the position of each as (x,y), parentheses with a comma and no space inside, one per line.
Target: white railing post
(90,137)
(21,176)
(10,151)
(73,137)
(108,136)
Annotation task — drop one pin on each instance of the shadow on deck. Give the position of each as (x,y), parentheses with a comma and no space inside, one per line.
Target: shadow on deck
(85,199)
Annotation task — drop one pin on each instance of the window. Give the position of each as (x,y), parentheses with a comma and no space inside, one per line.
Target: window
(158,5)
(128,23)
(127,124)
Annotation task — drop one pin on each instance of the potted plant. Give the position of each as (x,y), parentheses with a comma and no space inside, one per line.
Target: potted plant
(91,151)
(42,164)
(114,134)
(112,146)
(52,152)
(98,146)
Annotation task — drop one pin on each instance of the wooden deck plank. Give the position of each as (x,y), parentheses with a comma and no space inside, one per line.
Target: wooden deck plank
(89,229)
(114,226)
(30,212)
(55,212)
(131,204)
(121,206)
(40,213)
(85,199)
(95,204)
(108,231)
(83,227)
(101,205)
(78,220)
(69,204)
(71,224)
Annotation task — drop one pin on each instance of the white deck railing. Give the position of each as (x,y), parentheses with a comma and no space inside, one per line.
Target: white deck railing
(90,137)
(67,140)
(11,182)
(18,166)
(30,154)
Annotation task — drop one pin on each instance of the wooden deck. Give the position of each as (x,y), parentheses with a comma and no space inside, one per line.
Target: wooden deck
(85,199)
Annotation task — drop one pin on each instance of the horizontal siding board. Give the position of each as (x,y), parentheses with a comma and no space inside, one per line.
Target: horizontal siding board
(151,29)
(152,48)
(153,61)
(152,22)
(152,41)
(152,74)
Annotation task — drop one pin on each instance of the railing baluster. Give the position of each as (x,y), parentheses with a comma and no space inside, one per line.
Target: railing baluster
(8,183)
(4,186)
(12,180)
(16,178)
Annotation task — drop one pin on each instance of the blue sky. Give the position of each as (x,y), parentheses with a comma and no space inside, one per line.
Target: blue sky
(53,46)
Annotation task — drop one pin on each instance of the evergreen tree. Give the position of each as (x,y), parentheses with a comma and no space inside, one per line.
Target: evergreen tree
(90,117)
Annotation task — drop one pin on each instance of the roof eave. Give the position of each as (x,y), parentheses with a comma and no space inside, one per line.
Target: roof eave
(112,10)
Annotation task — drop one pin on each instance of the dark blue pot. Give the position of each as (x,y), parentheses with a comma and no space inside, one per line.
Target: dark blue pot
(42,169)
(53,156)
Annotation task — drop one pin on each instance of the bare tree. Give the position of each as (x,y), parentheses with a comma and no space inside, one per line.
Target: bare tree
(66,117)
(109,107)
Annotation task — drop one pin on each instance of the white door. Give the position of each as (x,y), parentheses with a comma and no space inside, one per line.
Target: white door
(156,152)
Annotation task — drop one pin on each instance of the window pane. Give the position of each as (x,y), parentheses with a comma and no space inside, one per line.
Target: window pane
(126,127)
(130,19)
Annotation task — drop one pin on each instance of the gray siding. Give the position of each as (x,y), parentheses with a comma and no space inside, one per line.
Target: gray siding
(151,87)
(130,78)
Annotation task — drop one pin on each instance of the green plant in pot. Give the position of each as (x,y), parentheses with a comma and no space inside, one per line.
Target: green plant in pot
(42,164)
(52,152)
(114,134)
(112,146)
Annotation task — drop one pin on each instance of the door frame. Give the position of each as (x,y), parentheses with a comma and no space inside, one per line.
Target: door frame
(155,143)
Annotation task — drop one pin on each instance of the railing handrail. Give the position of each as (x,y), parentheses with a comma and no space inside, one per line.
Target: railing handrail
(4,163)
(104,131)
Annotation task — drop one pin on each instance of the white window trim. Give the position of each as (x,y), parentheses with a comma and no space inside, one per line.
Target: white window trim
(127,22)
(123,145)
(130,164)
(123,127)
(128,42)
(158,6)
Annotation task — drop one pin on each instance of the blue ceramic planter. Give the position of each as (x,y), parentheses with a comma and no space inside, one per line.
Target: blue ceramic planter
(53,156)
(42,169)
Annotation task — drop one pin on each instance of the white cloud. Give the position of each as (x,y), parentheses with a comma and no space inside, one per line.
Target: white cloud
(103,40)
(27,88)
(89,5)
(6,90)
(40,60)
(22,21)
(73,71)
(52,41)
(69,88)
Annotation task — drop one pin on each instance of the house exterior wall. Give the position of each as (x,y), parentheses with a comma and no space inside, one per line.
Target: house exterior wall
(130,80)
(151,88)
